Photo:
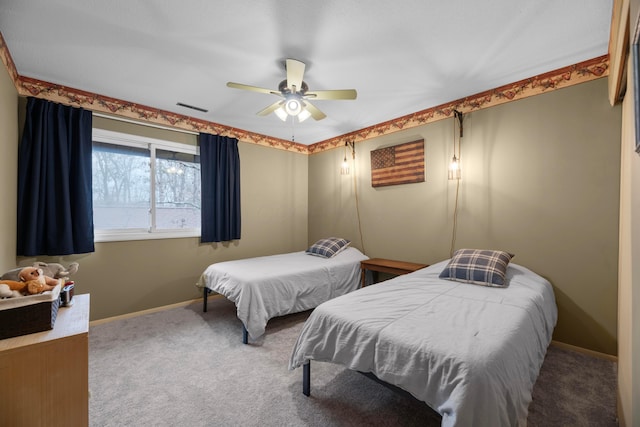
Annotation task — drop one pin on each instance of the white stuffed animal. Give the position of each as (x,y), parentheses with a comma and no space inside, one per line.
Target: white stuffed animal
(6,292)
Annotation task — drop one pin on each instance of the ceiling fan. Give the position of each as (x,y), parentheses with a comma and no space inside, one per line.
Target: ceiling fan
(296,95)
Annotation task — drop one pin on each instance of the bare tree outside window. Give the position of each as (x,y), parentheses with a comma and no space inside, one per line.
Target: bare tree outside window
(123,185)
(177,190)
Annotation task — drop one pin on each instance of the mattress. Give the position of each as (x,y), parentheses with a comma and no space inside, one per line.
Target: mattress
(471,352)
(275,285)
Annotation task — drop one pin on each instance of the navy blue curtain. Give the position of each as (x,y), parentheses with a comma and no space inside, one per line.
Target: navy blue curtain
(55,206)
(220,174)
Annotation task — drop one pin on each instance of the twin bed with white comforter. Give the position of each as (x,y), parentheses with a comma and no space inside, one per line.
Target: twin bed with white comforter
(472,353)
(266,287)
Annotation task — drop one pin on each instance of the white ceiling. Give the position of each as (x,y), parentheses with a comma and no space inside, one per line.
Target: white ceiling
(401,56)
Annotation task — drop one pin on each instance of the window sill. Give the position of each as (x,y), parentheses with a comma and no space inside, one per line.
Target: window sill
(122,236)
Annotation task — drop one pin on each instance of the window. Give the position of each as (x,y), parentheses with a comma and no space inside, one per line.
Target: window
(144,188)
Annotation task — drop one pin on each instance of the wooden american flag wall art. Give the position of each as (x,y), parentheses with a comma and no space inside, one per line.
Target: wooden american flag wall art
(399,164)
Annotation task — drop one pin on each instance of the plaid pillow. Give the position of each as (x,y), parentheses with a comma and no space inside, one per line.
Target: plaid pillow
(328,248)
(478,266)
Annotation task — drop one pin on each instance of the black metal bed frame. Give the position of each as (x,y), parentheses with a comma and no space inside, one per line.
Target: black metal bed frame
(205,294)
(306,382)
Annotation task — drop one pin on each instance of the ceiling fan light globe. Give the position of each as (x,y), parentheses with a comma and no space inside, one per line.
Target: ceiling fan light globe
(304,115)
(293,106)
(282,115)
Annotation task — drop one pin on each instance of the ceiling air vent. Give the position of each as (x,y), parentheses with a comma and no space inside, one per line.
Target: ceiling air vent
(192,107)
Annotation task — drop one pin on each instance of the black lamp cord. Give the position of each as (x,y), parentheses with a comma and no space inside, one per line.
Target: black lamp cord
(355,190)
(454,231)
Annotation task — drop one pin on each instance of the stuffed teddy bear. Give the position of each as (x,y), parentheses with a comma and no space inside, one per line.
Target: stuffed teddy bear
(33,273)
(51,269)
(32,281)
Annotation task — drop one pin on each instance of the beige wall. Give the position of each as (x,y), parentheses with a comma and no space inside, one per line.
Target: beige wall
(629,268)
(9,169)
(124,277)
(540,179)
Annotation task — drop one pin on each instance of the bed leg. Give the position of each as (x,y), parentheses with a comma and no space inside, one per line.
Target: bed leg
(245,335)
(306,378)
(205,292)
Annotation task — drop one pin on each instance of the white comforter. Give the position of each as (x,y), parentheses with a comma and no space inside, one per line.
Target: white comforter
(472,353)
(271,286)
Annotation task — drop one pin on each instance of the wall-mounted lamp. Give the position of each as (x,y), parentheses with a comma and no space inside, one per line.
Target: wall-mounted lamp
(344,169)
(454,166)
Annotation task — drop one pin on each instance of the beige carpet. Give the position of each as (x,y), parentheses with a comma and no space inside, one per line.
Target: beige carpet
(182,367)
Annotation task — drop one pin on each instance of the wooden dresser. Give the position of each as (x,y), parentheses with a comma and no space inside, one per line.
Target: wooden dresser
(44,377)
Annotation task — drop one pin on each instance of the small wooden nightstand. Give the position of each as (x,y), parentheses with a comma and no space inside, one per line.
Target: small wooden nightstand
(377,265)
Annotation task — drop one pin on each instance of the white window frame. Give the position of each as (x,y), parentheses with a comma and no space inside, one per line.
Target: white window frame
(129,140)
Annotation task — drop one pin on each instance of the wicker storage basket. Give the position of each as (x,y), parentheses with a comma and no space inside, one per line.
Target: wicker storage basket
(26,315)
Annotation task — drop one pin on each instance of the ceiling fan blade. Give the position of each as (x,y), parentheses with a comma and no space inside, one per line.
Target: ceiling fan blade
(270,109)
(295,72)
(253,88)
(315,112)
(332,94)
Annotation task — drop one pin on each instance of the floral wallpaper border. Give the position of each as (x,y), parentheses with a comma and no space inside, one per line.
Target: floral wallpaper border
(563,77)
(557,79)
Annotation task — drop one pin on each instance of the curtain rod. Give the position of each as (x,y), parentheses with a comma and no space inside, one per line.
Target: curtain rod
(135,122)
